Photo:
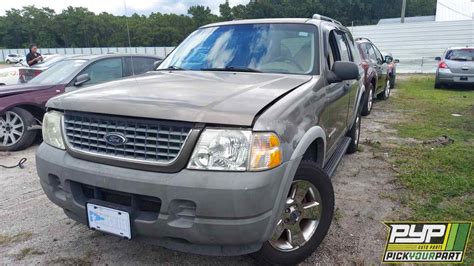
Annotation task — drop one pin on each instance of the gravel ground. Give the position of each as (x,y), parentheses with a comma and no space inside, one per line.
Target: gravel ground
(35,231)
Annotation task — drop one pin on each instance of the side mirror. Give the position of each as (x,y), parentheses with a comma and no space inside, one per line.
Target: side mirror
(396,61)
(81,79)
(156,64)
(343,71)
(438,58)
(388,59)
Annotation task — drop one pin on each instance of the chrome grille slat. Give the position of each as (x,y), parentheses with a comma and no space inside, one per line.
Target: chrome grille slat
(150,141)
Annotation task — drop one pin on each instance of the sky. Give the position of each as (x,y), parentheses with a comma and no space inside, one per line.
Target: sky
(117,6)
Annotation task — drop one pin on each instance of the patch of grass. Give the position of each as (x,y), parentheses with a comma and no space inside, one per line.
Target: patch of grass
(27,252)
(5,239)
(440,179)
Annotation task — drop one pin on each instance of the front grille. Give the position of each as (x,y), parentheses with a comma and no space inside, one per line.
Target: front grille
(146,140)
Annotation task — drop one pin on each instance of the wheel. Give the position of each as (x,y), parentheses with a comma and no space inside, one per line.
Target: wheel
(8,61)
(437,84)
(305,219)
(393,77)
(368,101)
(386,92)
(354,134)
(14,133)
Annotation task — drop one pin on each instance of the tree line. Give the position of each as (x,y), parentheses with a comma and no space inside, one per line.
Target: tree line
(79,27)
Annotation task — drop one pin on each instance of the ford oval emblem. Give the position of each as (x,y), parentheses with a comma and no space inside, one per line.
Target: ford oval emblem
(115,139)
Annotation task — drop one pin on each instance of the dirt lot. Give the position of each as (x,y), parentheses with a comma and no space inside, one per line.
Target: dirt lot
(33,230)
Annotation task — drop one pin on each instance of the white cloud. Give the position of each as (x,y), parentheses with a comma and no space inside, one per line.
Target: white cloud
(117,6)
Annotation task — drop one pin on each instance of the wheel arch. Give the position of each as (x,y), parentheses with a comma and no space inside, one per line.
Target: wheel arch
(36,111)
(312,146)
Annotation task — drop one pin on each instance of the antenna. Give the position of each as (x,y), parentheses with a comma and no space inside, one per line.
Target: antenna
(128,35)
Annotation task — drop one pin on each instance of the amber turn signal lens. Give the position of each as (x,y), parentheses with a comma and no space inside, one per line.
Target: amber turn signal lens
(265,152)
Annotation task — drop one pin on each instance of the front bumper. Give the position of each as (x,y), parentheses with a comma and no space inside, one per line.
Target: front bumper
(213,213)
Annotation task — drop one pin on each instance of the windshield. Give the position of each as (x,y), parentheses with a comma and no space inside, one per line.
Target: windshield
(58,72)
(273,48)
(461,55)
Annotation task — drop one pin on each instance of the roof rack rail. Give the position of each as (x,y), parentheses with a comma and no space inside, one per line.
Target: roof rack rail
(321,17)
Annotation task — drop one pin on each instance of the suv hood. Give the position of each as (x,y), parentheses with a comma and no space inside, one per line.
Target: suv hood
(195,96)
(7,90)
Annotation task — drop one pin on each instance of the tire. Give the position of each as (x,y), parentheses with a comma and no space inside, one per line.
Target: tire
(386,92)
(354,134)
(8,61)
(14,133)
(310,178)
(368,101)
(393,77)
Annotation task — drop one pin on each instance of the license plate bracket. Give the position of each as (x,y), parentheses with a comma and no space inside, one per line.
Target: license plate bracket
(109,218)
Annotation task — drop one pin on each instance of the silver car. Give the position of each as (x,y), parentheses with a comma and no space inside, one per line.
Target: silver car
(456,67)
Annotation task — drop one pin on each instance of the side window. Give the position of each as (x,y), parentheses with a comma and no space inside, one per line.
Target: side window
(378,54)
(333,54)
(142,64)
(344,49)
(371,52)
(104,70)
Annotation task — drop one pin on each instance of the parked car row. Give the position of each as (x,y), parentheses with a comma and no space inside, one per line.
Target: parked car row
(226,149)
(22,106)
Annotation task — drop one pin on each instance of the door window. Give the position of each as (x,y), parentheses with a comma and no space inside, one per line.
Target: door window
(343,48)
(140,65)
(104,70)
(378,54)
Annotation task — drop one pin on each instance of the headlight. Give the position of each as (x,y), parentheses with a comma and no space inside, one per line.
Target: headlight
(52,129)
(235,150)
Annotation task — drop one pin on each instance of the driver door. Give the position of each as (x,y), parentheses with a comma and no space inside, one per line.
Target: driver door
(334,118)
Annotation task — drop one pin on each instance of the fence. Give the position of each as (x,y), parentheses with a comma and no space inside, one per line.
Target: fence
(417,44)
(159,51)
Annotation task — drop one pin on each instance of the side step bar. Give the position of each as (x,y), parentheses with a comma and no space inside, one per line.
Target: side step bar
(335,159)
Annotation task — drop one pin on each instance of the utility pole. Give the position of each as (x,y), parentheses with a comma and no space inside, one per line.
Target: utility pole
(404,7)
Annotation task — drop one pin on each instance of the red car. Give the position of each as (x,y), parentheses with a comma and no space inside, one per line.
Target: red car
(380,73)
(22,106)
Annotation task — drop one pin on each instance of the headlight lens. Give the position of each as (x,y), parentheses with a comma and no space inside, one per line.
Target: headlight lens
(52,129)
(235,150)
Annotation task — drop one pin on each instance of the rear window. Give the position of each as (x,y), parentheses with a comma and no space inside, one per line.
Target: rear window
(460,55)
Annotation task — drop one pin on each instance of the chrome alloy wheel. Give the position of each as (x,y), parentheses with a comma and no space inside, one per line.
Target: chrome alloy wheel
(357,130)
(387,89)
(300,217)
(12,128)
(370,100)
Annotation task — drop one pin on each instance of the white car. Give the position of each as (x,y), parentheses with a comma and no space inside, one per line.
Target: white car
(22,73)
(14,58)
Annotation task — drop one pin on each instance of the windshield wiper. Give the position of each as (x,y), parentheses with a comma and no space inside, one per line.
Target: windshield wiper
(171,68)
(230,68)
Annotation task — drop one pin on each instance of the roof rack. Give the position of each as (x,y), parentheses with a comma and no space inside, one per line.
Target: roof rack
(321,17)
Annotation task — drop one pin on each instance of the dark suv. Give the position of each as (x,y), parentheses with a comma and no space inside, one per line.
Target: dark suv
(379,76)
(227,149)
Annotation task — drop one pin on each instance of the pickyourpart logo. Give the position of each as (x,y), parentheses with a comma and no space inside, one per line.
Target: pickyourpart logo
(426,241)
(115,139)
